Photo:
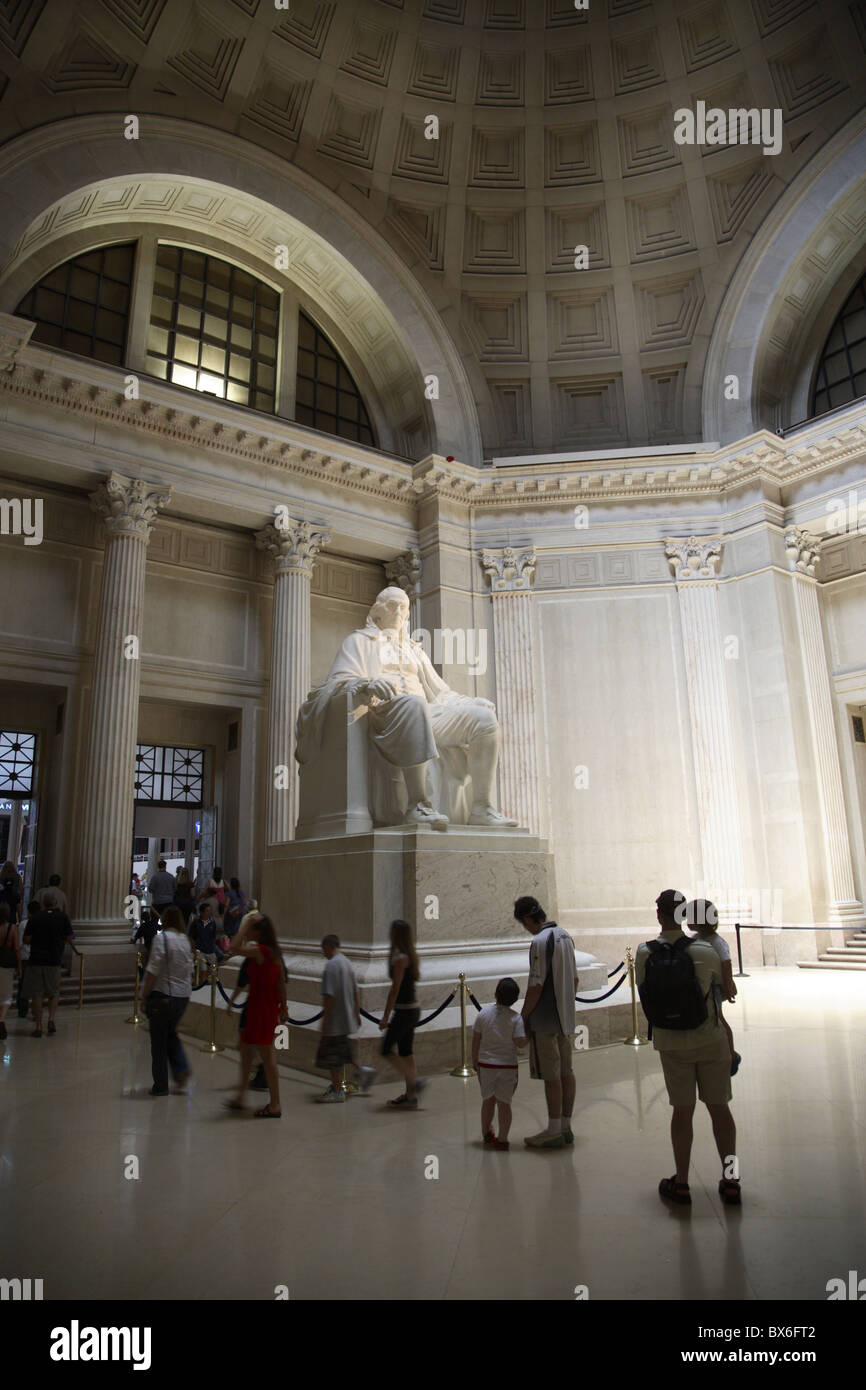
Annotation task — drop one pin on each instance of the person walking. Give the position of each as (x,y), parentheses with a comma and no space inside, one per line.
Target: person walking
(236,907)
(10,963)
(678,978)
(266,1006)
(549,1019)
(341,1018)
(400,1018)
(164,997)
(161,889)
(46,934)
(184,896)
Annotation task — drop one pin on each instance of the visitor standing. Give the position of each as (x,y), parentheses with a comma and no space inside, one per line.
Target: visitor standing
(203,932)
(46,934)
(549,1018)
(676,975)
(497,1033)
(266,1006)
(161,888)
(401,1015)
(184,896)
(53,886)
(165,995)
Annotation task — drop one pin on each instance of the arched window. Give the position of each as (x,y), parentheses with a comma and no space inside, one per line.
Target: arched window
(326,395)
(213,328)
(841,375)
(83,305)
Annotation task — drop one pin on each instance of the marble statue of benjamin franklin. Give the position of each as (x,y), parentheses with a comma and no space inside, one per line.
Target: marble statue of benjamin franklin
(416,722)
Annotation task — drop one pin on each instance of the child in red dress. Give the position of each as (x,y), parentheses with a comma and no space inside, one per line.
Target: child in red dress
(266,1007)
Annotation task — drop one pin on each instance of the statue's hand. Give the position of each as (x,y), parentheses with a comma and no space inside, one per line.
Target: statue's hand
(382,688)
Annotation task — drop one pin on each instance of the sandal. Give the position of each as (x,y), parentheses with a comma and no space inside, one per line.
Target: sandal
(404,1102)
(729,1191)
(266,1113)
(675,1191)
(501,1144)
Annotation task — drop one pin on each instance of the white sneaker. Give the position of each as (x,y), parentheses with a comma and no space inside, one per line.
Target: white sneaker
(489,816)
(424,814)
(332,1097)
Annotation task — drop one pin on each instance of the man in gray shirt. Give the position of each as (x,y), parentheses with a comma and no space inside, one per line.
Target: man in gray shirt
(341,1017)
(161,888)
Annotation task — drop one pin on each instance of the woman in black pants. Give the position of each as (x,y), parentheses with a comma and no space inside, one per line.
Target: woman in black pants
(403,1012)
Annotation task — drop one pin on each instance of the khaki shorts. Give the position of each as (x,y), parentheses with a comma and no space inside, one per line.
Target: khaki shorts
(41,980)
(708,1067)
(550,1056)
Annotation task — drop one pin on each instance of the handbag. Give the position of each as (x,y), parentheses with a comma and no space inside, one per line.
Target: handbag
(8,958)
(159,1007)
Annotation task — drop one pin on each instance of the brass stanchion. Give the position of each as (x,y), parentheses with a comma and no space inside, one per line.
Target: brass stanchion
(463,1069)
(635,1040)
(81,978)
(213,1045)
(195,979)
(136,1016)
(349,1087)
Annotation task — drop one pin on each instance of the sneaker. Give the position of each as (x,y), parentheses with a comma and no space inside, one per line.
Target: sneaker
(735,1063)
(52,1026)
(366,1077)
(545,1141)
(37,1033)
(404,1102)
(332,1097)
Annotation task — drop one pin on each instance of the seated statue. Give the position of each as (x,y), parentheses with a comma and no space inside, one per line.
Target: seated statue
(429,747)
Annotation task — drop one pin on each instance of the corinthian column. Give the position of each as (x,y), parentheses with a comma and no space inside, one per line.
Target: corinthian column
(694,562)
(404,572)
(511,574)
(844,907)
(128,507)
(294,545)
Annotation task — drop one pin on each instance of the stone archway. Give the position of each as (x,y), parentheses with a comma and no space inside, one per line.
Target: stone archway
(768,329)
(186,177)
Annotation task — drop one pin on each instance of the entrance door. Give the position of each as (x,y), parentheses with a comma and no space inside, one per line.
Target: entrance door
(207,845)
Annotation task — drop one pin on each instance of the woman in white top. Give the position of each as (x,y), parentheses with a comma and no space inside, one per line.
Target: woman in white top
(167,987)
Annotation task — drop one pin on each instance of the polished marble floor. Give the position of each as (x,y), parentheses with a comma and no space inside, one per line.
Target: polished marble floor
(333,1201)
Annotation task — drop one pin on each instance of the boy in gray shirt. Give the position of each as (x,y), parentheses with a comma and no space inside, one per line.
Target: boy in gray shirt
(341,1017)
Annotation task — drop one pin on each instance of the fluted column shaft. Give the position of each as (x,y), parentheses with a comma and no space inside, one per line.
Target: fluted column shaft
(295,547)
(108,809)
(511,575)
(694,563)
(844,907)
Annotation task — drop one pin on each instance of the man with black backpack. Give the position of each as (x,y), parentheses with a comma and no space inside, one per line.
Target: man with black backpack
(675,976)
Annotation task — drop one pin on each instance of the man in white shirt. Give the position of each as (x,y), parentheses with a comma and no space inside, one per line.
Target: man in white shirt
(341,1017)
(695,1057)
(548,1017)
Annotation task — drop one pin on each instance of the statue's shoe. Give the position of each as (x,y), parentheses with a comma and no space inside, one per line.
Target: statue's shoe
(489,816)
(425,815)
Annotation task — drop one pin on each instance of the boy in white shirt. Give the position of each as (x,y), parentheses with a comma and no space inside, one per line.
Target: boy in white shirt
(703,918)
(497,1034)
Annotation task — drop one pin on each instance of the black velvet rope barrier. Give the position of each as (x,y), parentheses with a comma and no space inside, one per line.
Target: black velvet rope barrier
(369,1017)
(474,1000)
(298,1022)
(582,1000)
(430,1017)
(611,973)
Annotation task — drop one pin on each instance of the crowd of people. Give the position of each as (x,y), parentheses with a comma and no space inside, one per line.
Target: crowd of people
(683,981)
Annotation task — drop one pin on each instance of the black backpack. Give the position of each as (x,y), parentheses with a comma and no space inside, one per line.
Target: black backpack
(671,994)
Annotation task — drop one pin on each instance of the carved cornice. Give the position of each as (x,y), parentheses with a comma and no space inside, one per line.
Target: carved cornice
(404,571)
(802,550)
(90,389)
(14,335)
(128,506)
(509,571)
(695,557)
(295,546)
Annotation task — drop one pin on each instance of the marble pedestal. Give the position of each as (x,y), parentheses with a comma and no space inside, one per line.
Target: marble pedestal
(456,887)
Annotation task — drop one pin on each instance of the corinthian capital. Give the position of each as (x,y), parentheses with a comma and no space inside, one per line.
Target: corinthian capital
(509,571)
(128,506)
(295,545)
(404,572)
(802,550)
(696,557)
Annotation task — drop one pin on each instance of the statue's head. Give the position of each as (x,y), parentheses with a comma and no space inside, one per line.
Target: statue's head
(390,612)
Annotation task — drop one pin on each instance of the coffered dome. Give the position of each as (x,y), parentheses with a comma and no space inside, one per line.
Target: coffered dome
(555,129)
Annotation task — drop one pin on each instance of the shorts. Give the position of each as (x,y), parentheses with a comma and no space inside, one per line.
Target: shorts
(708,1067)
(335,1051)
(400,1032)
(7,978)
(550,1056)
(497,1083)
(41,980)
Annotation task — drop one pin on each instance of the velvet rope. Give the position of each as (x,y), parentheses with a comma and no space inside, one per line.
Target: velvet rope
(581,1000)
